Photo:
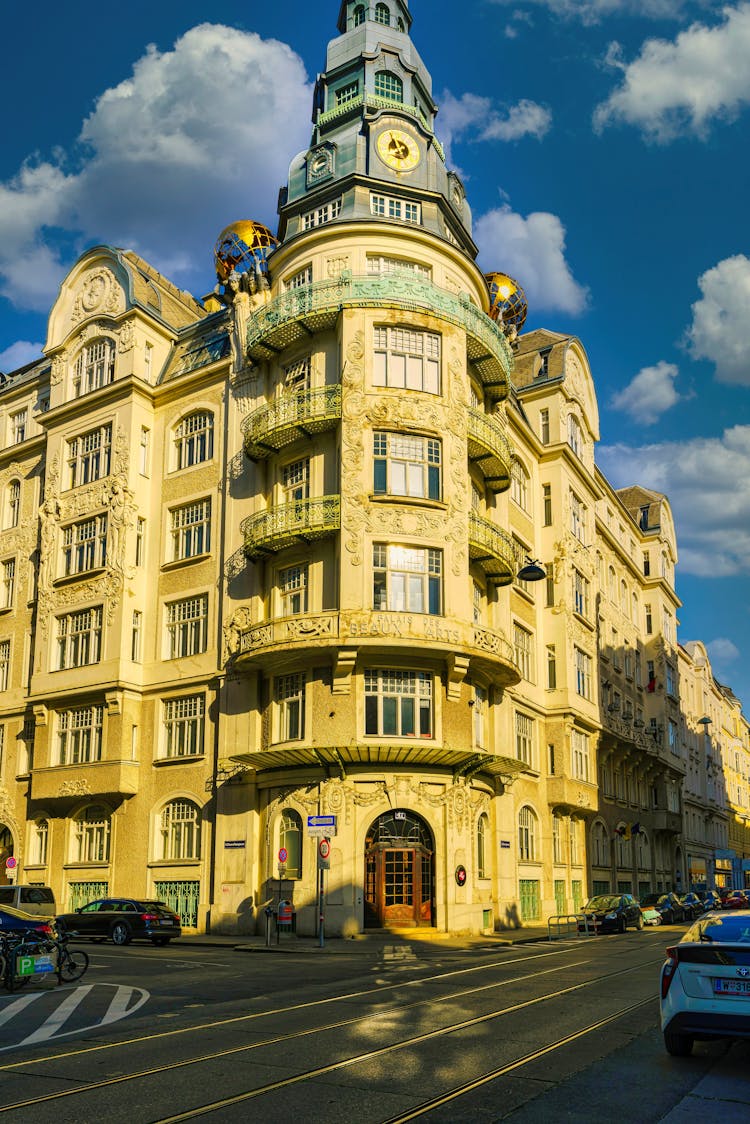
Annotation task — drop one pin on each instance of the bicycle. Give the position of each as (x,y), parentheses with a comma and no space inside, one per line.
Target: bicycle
(38,955)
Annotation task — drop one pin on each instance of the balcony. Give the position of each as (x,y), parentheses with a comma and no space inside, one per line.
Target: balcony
(489,450)
(95,778)
(296,314)
(571,795)
(304,521)
(290,418)
(492,549)
(667,821)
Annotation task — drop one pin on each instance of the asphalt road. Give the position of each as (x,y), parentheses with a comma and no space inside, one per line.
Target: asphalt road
(390,1033)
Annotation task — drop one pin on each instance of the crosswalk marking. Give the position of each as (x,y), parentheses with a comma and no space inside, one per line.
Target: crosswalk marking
(119,1008)
(17,1006)
(49,1028)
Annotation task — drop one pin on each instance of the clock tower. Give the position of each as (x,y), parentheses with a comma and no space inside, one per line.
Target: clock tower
(374,151)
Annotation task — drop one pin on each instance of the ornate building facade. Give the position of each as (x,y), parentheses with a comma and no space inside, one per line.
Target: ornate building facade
(261,554)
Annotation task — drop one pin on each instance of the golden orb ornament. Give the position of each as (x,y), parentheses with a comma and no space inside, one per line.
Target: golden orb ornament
(508,304)
(243,246)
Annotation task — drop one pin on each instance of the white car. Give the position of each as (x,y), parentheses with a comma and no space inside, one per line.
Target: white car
(705,982)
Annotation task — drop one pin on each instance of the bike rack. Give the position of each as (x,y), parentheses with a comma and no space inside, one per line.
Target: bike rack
(567,925)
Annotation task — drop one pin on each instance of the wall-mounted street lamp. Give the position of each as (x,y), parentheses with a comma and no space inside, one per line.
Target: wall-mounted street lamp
(533,571)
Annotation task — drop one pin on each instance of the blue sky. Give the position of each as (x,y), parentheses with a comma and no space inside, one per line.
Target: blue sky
(605,148)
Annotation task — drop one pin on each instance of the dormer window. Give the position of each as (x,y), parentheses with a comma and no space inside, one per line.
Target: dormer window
(94,367)
(389,86)
(383,14)
(359,15)
(347,93)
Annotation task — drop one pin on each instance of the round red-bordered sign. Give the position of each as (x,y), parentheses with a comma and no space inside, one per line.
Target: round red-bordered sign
(324,848)
(11,863)
(283,855)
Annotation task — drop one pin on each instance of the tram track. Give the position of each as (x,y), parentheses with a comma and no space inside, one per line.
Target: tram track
(340,1064)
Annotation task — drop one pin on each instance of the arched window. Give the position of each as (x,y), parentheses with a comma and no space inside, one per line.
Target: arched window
(388,85)
(624,851)
(290,838)
(519,485)
(483,837)
(180,830)
(527,824)
(612,584)
(94,367)
(12,503)
(92,830)
(557,839)
(600,845)
(575,435)
(6,844)
(38,840)
(401,25)
(359,15)
(194,439)
(644,851)
(624,598)
(383,14)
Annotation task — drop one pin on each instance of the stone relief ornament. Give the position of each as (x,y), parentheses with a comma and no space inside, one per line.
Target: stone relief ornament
(126,338)
(59,367)
(336,266)
(239,622)
(75,788)
(98,292)
(120,499)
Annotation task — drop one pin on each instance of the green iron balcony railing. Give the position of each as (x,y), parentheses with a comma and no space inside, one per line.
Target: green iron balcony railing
(489,449)
(289,418)
(292,316)
(300,521)
(492,549)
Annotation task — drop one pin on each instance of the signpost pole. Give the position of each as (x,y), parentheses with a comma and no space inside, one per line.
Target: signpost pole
(321,910)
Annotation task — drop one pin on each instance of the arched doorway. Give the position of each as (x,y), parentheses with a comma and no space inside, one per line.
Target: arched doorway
(6,850)
(399,873)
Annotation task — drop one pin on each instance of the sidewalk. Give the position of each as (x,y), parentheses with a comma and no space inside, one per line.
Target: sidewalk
(370,943)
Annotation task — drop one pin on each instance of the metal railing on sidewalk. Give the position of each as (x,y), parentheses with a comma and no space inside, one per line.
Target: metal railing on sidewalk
(568,925)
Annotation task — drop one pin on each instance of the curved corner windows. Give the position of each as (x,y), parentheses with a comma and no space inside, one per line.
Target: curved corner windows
(383,14)
(289,696)
(407,359)
(194,439)
(292,587)
(94,367)
(483,836)
(92,835)
(89,456)
(406,466)
(79,638)
(389,86)
(387,206)
(398,703)
(407,579)
(79,735)
(180,831)
(290,838)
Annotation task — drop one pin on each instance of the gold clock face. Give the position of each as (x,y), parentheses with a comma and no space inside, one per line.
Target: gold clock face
(398,150)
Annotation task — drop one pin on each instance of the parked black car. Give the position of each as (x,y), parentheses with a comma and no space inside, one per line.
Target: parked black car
(611,913)
(669,906)
(710,899)
(693,906)
(122,920)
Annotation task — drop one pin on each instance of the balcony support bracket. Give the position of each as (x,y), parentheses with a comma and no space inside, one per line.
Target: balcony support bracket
(343,667)
(457,667)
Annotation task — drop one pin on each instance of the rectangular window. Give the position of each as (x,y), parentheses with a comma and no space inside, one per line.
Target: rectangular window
(94,367)
(85,545)
(522,554)
(183,726)
(190,530)
(347,93)
(649,620)
(292,586)
(549,586)
(295,481)
(379,264)
(297,377)
(407,579)
(544,426)
(144,457)
(404,465)
(551,759)
(321,215)
(4,664)
(18,426)
(398,704)
(581,600)
(477,600)
(480,717)
(583,673)
(668,627)
(529,899)
(522,648)
(525,740)
(7,583)
(551,667)
(79,638)
(646,564)
(547,504)
(136,636)
(289,696)
(140,540)
(407,359)
(299,280)
(388,207)
(79,735)
(674,744)
(187,627)
(581,760)
(577,518)
(89,456)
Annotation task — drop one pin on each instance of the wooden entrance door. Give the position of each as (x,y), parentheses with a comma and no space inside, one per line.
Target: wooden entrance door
(398,873)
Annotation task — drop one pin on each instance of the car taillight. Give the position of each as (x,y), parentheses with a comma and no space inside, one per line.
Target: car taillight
(149,917)
(667,972)
(46,929)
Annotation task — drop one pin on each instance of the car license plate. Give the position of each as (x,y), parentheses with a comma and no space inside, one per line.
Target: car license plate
(165,921)
(732,987)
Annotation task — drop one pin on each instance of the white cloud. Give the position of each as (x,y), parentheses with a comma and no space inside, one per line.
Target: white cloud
(19,354)
(682,87)
(720,331)
(165,160)
(649,394)
(593,11)
(475,118)
(707,481)
(531,249)
(722,651)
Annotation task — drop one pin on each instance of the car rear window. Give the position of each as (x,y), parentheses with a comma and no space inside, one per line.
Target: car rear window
(37,894)
(6,895)
(732,928)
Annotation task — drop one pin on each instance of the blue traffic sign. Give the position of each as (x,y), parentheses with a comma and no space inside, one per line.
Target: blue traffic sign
(321,821)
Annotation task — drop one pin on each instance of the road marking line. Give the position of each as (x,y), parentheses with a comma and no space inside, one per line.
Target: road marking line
(55,1021)
(119,1007)
(18,1006)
